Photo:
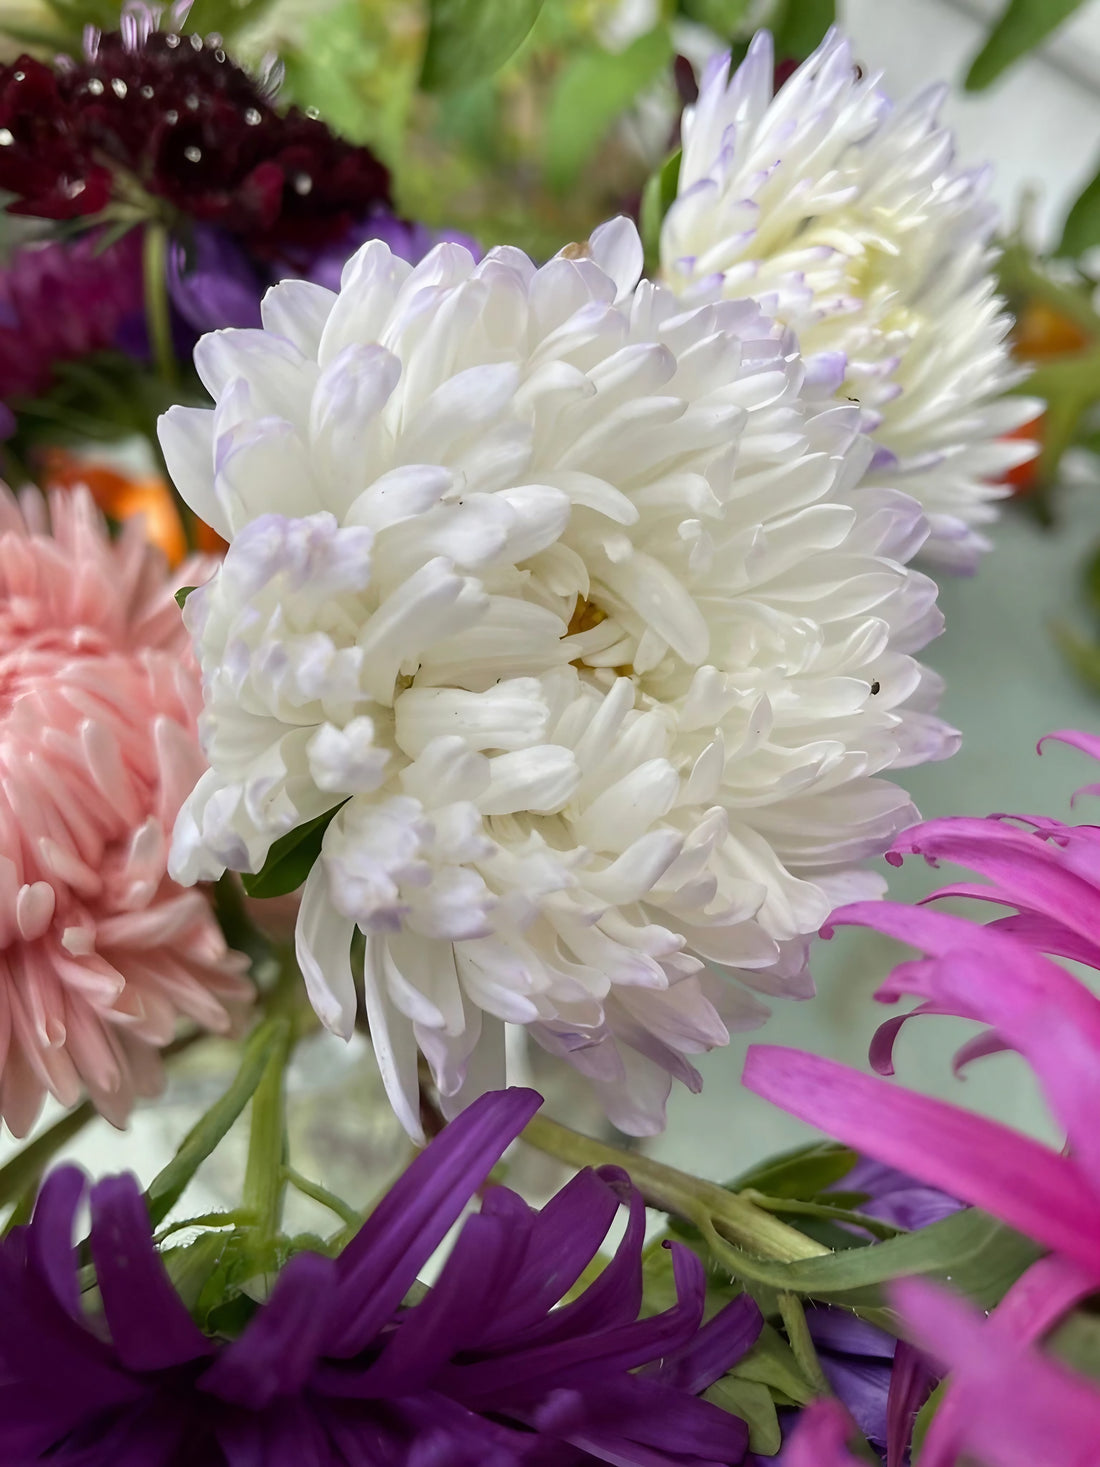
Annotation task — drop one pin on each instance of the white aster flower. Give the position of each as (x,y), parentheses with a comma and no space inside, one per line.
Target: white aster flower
(557,591)
(849,219)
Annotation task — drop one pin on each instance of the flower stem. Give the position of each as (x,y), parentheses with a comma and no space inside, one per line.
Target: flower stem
(158,315)
(663,1187)
(265,1175)
(347,1215)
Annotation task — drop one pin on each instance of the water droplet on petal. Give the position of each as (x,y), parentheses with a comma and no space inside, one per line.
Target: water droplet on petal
(95,87)
(171,40)
(19,76)
(7,137)
(192,154)
(196,42)
(253,117)
(147,91)
(118,86)
(313,112)
(303,184)
(191,103)
(171,116)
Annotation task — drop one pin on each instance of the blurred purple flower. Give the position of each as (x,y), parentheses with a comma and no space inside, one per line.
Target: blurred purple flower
(59,301)
(336,1370)
(213,282)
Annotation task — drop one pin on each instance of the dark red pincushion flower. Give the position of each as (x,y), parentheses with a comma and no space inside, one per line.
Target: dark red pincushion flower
(171,115)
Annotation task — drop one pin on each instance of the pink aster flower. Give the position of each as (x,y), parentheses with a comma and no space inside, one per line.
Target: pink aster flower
(100,953)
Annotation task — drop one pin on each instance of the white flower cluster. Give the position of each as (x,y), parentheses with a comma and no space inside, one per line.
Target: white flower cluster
(849,220)
(561,593)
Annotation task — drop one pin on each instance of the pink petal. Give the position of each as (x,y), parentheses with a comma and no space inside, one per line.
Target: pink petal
(1035,1006)
(1019,1408)
(1034,1303)
(1029,872)
(821,1439)
(1030,1187)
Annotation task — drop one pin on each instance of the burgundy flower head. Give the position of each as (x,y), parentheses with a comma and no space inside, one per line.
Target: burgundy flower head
(172,116)
(335,1370)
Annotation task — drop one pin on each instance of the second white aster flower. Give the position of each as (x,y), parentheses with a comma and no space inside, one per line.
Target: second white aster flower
(849,217)
(553,596)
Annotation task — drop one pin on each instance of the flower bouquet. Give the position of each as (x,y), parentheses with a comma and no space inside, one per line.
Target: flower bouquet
(477,652)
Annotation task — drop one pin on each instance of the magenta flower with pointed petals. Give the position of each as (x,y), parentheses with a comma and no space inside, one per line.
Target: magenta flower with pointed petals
(1016,1407)
(1034,1189)
(336,1371)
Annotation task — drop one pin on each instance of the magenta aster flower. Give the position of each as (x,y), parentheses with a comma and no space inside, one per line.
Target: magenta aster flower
(1007,1404)
(335,1369)
(171,116)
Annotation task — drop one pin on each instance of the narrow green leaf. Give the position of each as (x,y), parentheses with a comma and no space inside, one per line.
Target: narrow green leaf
(1082,227)
(594,90)
(801,27)
(772,1363)
(469,39)
(657,197)
(1024,24)
(182,595)
(168,1186)
(21,1173)
(924,1418)
(754,1404)
(970,1249)
(290,859)
(804,1172)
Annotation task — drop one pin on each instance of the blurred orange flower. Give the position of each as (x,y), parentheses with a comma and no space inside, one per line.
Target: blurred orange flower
(121,497)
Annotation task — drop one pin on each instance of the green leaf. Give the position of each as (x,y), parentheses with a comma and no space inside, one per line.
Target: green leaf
(754,1404)
(290,859)
(772,1363)
(657,197)
(168,1186)
(970,1249)
(182,595)
(799,28)
(190,1267)
(592,92)
(805,1172)
(21,1173)
(1076,1342)
(1023,25)
(722,16)
(469,39)
(1082,227)
(924,1418)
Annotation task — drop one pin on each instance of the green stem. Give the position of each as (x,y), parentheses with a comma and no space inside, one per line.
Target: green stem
(314,1190)
(265,1171)
(802,1346)
(664,1187)
(158,316)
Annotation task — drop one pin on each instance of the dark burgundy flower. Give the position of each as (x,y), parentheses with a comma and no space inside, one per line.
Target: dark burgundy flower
(335,1370)
(60,301)
(158,113)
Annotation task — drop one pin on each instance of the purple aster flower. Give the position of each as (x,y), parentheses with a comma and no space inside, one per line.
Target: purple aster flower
(214,282)
(336,1370)
(60,301)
